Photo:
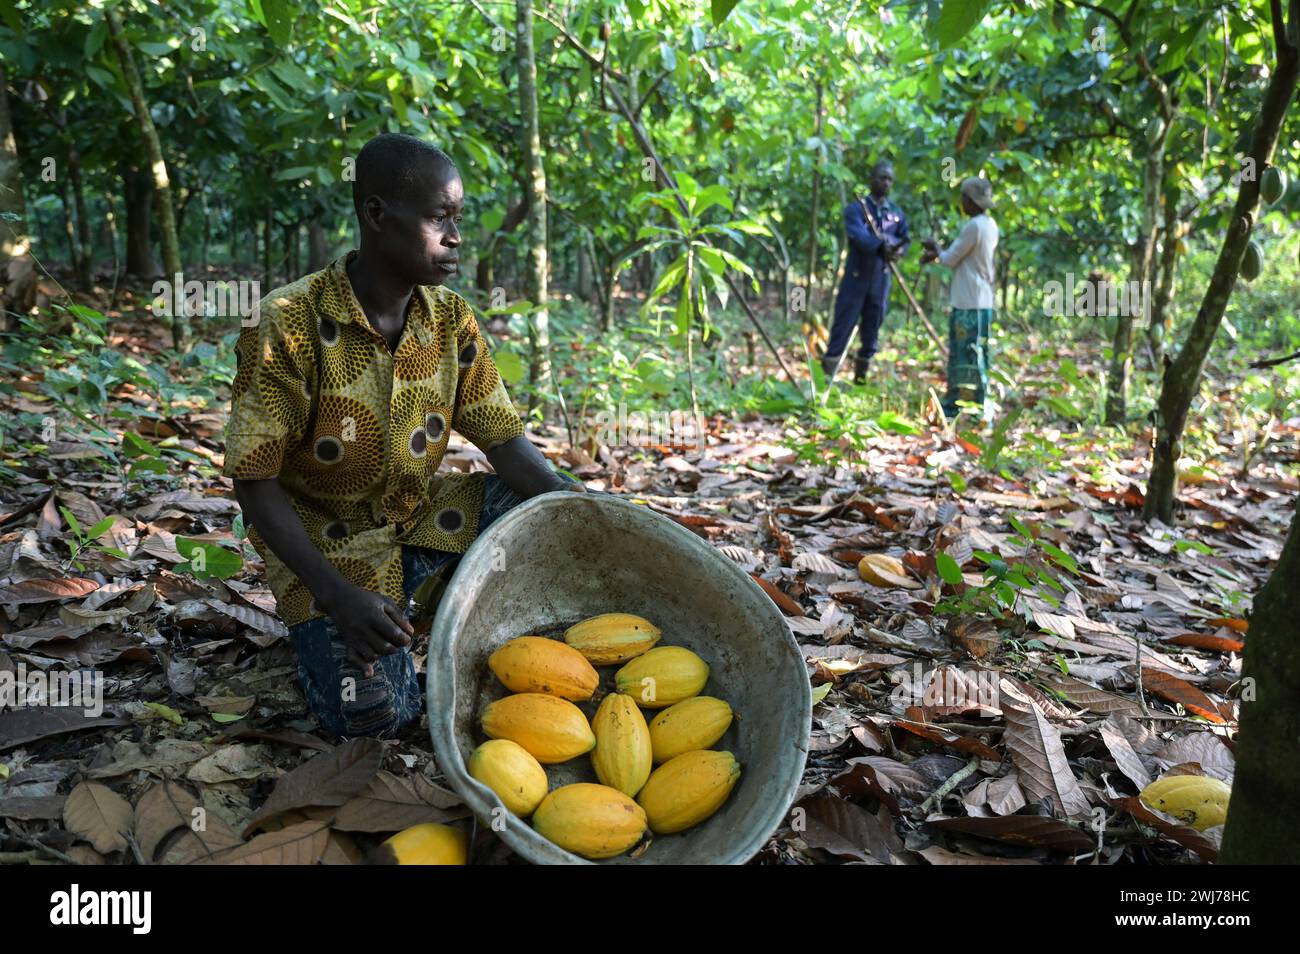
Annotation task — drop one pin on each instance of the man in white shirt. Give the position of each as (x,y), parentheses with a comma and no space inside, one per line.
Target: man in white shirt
(971,296)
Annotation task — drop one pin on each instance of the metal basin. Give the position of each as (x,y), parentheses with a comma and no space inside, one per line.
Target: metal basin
(562,557)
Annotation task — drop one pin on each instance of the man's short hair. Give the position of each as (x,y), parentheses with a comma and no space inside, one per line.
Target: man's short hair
(389,164)
(882,164)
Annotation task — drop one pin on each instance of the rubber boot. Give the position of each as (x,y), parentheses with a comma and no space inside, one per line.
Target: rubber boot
(828,367)
(860,367)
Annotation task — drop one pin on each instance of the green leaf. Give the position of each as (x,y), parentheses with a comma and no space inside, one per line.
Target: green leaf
(958,482)
(224,717)
(101,76)
(959,17)
(9,12)
(72,521)
(216,561)
(167,712)
(99,529)
(712,260)
(133,445)
(675,270)
(1019,527)
(491,219)
(1060,556)
(821,692)
(510,366)
(683,316)
(948,568)
(278,17)
(151,466)
(720,9)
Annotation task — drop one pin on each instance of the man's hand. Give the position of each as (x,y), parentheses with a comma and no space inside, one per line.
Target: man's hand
(369,623)
(931,246)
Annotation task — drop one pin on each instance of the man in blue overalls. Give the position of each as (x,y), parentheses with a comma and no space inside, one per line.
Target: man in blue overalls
(864,291)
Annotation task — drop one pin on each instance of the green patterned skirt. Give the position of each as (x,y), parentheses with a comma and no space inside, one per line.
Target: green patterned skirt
(968,357)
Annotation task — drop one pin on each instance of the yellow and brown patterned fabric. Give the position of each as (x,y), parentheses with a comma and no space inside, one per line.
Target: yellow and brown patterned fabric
(356,432)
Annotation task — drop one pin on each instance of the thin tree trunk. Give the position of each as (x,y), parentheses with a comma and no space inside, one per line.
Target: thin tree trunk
(1182,376)
(162,186)
(232,238)
(207,233)
(1162,307)
(816,194)
(531,146)
(267,219)
(110,220)
(69,230)
(1121,361)
(611,285)
(1264,814)
(290,252)
(17,267)
(85,258)
(139,206)
(315,247)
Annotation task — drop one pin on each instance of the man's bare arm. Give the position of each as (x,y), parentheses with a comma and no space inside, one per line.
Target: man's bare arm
(369,623)
(524,470)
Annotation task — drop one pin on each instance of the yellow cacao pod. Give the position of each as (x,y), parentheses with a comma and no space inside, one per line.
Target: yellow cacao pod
(594,821)
(622,754)
(880,569)
(534,664)
(506,767)
(691,724)
(612,637)
(663,676)
(686,790)
(1195,800)
(549,728)
(427,844)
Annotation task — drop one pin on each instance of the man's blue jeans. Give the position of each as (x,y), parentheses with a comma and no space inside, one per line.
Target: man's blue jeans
(343,700)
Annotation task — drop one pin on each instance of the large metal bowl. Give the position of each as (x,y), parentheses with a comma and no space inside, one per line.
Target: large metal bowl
(562,557)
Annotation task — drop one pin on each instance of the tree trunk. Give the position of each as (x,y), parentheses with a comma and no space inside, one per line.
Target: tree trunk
(611,285)
(290,252)
(1183,375)
(232,238)
(531,147)
(1121,361)
(162,186)
(1162,318)
(584,284)
(69,230)
(206,234)
(1264,815)
(110,221)
(139,206)
(316,253)
(84,246)
(268,217)
(17,267)
(816,194)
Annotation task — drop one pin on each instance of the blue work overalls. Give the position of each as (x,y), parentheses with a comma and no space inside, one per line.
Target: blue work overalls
(864,291)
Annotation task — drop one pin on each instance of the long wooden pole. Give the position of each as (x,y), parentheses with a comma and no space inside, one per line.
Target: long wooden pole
(898,277)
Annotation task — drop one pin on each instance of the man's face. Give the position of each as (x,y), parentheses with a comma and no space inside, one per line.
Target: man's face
(420,231)
(882,181)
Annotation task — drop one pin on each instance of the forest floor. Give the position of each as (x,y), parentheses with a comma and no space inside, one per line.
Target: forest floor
(949,727)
